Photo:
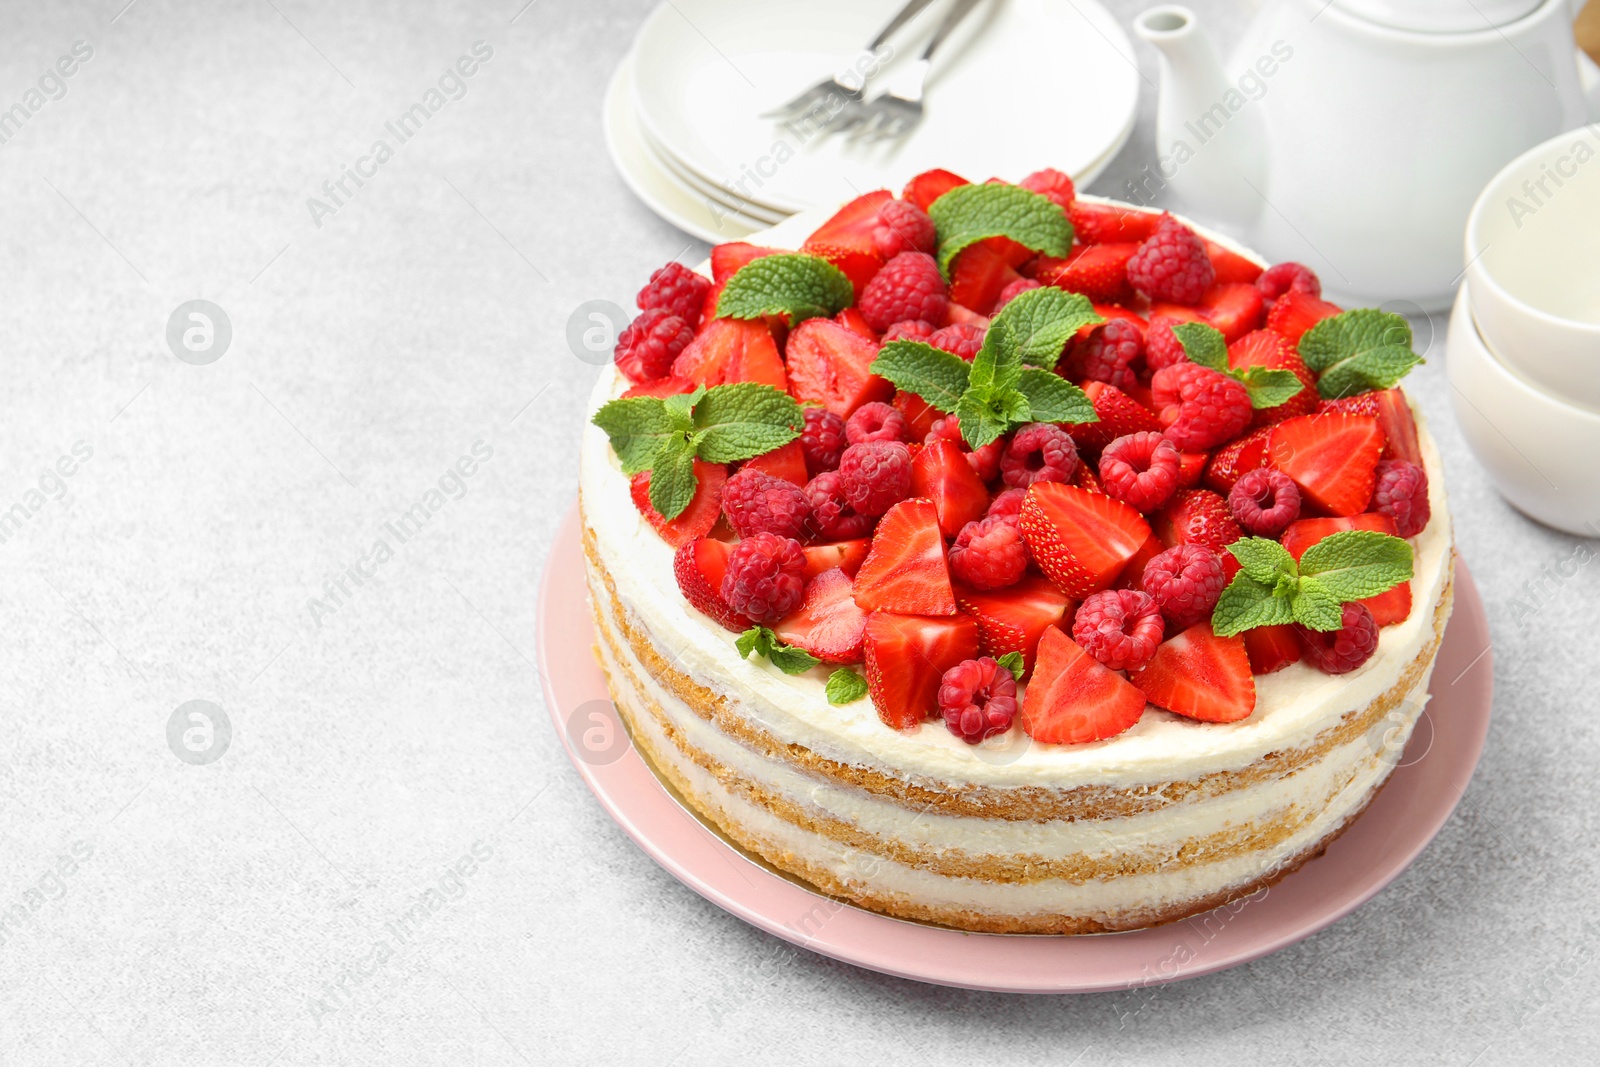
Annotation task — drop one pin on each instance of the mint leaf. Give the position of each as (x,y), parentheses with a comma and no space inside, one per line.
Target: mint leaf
(1356,564)
(1013,662)
(672,480)
(1357,351)
(968,214)
(937,376)
(1051,398)
(764,642)
(1263,560)
(1246,604)
(1042,321)
(681,406)
(845,686)
(983,420)
(789,283)
(1203,344)
(998,364)
(1268,387)
(1315,606)
(637,426)
(744,419)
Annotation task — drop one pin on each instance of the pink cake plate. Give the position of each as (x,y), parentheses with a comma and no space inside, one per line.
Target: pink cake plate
(1431,777)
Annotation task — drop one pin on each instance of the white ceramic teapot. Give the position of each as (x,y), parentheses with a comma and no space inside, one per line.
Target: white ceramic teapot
(1354,135)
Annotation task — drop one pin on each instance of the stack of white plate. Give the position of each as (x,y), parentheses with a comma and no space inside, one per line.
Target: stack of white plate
(1023,84)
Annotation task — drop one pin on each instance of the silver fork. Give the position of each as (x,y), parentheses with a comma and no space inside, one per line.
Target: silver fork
(898,109)
(838,86)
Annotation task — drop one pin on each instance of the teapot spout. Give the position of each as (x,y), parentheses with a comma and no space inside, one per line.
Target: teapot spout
(1211,160)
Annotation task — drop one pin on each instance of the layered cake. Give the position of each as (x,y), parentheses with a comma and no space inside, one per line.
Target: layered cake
(1008,559)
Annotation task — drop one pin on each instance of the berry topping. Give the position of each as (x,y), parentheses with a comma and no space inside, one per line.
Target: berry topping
(1233,310)
(1014,618)
(989,553)
(905,570)
(1161,346)
(1172,265)
(1186,581)
(941,473)
(1119,627)
(1294,313)
(756,502)
(1099,272)
(765,578)
(732,350)
(1119,415)
(876,421)
(1265,501)
(1014,290)
(1343,650)
(827,624)
(1053,184)
(646,349)
(845,555)
(1271,648)
(1038,452)
(1393,412)
(1140,469)
(1197,517)
(877,475)
(677,290)
(695,520)
(980,272)
(1071,698)
(1201,676)
(829,365)
(902,227)
(1389,607)
(909,330)
(908,287)
(1200,408)
(822,440)
(1080,539)
(700,566)
(726,259)
(1111,353)
(1288,278)
(962,338)
(1232,460)
(1401,493)
(978,699)
(1007,504)
(1264,348)
(832,517)
(1332,457)
(1095,224)
(906,657)
(985,461)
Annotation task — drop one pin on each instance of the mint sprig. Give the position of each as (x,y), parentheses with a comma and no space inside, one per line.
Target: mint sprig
(763,642)
(1271,589)
(1043,320)
(1359,350)
(845,686)
(723,424)
(790,283)
(1268,386)
(1012,661)
(968,214)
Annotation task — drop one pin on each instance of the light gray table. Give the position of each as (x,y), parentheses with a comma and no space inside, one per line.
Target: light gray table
(292,901)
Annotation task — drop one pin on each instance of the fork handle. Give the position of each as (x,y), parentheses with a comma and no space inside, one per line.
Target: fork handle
(958,11)
(905,15)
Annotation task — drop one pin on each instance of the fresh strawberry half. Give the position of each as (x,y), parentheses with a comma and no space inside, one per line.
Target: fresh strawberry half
(1198,517)
(698,518)
(906,570)
(929,186)
(1132,575)
(1191,468)
(1080,539)
(1393,412)
(1271,648)
(851,226)
(940,472)
(906,655)
(857,265)
(852,319)
(726,259)
(699,565)
(829,364)
(1119,415)
(1387,608)
(1200,675)
(1232,308)
(1098,271)
(661,387)
(827,624)
(920,416)
(1095,224)
(963,316)
(1231,267)
(1072,698)
(845,555)
(1331,457)
(1295,312)
(1013,619)
(1270,349)
(786,461)
(732,350)
(1233,460)
(981,270)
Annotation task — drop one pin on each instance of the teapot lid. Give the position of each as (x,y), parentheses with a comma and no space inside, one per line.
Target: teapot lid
(1440,16)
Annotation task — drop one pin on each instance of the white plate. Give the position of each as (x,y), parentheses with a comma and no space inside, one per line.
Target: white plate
(702,188)
(1024,84)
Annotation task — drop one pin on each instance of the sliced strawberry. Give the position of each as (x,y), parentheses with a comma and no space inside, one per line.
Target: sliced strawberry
(1198,517)
(726,259)
(828,364)
(940,472)
(787,462)
(827,624)
(981,270)
(852,319)
(963,316)
(696,520)
(732,350)
(1099,272)
(1072,699)
(1119,415)
(919,416)
(845,555)
(1084,477)
(1082,540)
(1236,458)
(1388,607)
(1271,648)
(1231,266)
(1200,675)
(906,655)
(1133,573)
(1268,348)
(1013,619)
(1295,312)
(699,565)
(1393,412)
(856,264)
(661,387)
(1176,312)
(906,571)
(929,186)
(1331,457)
(851,226)
(1235,309)
(1095,224)
(1191,468)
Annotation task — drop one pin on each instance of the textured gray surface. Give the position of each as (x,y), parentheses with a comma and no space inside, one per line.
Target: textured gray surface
(239,912)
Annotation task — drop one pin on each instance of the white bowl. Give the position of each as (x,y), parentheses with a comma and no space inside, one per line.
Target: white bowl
(1533,265)
(1542,454)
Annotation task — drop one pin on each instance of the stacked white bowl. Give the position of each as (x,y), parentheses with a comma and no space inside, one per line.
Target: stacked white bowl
(1524,346)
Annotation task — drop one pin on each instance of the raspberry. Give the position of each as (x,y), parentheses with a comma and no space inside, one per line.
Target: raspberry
(1038,452)
(902,227)
(877,475)
(963,339)
(1007,504)
(1185,581)
(985,461)
(1014,289)
(909,330)
(822,440)
(1265,501)
(832,517)
(646,349)
(1288,278)
(1119,627)
(1402,494)
(1053,184)
(1111,353)
(1141,470)
(676,289)
(755,502)
(1172,265)
(765,578)
(1343,650)
(989,553)
(876,422)
(1200,407)
(909,286)
(1161,346)
(978,699)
